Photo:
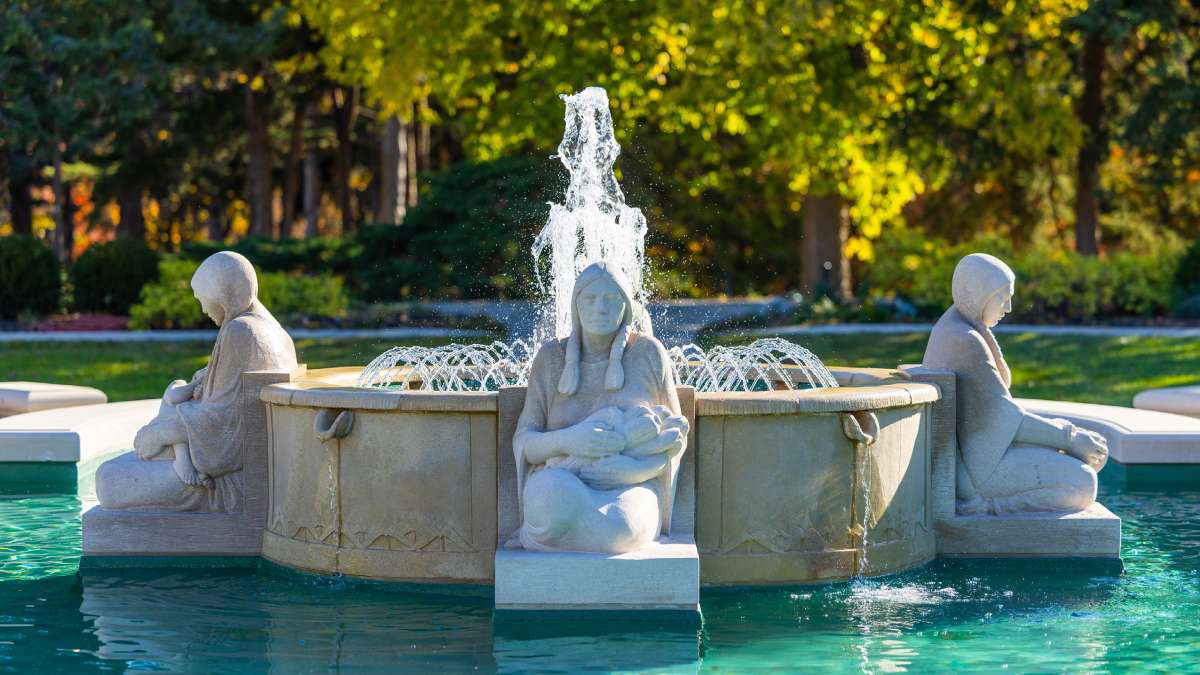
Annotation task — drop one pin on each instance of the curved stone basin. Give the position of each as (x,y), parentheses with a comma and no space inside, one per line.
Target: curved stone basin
(785,480)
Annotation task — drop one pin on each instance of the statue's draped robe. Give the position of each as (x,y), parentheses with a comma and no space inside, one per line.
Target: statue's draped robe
(997,471)
(253,340)
(988,417)
(649,380)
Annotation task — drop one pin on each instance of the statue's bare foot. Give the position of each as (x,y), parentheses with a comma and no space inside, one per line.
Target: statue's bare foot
(186,472)
(206,480)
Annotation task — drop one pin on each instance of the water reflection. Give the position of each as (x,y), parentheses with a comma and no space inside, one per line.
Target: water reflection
(208,620)
(568,642)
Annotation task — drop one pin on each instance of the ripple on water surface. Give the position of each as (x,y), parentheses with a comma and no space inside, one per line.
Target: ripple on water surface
(975,615)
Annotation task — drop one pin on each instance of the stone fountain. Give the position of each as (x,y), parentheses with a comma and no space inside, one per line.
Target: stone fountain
(607,471)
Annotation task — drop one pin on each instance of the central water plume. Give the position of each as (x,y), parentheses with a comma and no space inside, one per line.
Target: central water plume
(594,223)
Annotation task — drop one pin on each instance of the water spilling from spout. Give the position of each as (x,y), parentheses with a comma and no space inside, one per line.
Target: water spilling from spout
(594,223)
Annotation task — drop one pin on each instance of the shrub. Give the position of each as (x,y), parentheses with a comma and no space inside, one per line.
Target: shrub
(1052,285)
(169,302)
(318,296)
(30,278)
(108,277)
(306,256)
(1187,277)
(910,265)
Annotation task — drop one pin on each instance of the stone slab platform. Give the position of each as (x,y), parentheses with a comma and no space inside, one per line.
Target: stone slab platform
(1134,436)
(23,397)
(1092,533)
(1177,400)
(662,576)
(148,534)
(75,434)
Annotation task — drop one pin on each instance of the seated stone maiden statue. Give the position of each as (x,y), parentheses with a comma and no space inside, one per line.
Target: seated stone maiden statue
(189,458)
(1010,460)
(599,441)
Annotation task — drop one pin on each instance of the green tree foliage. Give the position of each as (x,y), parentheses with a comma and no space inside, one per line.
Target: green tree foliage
(747,107)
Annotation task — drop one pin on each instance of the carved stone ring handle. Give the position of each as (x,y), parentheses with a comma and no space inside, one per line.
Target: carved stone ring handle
(861,427)
(330,424)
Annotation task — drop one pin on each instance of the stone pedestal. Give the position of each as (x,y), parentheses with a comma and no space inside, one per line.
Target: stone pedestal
(1135,437)
(662,576)
(1177,400)
(158,533)
(1092,533)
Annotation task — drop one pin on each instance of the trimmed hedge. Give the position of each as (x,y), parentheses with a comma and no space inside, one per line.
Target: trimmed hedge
(108,277)
(30,278)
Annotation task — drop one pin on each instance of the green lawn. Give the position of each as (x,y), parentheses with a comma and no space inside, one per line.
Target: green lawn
(1087,369)
(127,371)
(1097,370)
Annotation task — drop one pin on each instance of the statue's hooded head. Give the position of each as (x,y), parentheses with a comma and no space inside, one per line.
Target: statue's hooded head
(978,279)
(593,277)
(225,285)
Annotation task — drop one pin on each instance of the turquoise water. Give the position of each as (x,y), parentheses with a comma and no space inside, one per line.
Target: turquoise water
(982,615)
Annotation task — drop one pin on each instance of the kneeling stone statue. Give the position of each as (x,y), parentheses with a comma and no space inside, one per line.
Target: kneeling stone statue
(1009,460)
(599,441)
(189,457)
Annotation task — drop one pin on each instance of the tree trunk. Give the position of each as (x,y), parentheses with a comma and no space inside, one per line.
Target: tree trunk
(1090,110)
(345,111)
(825,229)
(425,161)
(412,158)
(68,216)
(21,204)
(60,200)
(258,166)
(216,218)
(312,179)
(291,173)
(393,173)
(5,187)
(133,221)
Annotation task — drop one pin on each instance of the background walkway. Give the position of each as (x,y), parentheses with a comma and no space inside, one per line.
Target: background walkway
(675,322)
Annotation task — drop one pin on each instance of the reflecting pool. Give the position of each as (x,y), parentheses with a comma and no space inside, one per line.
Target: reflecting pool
(975,615)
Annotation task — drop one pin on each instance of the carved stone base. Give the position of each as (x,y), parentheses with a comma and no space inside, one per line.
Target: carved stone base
(662,576)
(164,533)
(142,533)
(1092,533)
